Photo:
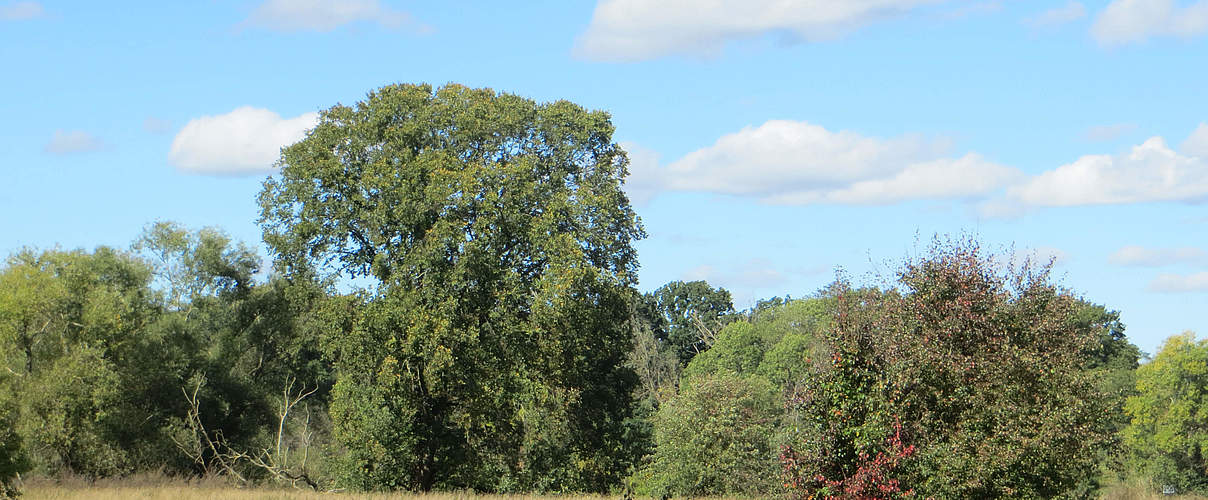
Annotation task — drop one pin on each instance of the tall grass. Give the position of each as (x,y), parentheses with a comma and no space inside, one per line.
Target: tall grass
(151,486)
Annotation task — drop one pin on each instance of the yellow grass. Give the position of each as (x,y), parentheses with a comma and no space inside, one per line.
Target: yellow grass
(55,492)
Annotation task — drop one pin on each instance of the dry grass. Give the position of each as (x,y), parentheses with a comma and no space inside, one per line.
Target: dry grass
(159,487)
(1135,490)
(183,492)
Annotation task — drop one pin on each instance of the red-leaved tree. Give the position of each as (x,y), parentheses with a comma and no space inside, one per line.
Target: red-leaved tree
(967,380)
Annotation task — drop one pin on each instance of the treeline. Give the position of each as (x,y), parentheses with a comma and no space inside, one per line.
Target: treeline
(451,304)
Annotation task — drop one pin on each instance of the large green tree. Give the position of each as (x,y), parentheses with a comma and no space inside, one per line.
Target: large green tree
(497,245)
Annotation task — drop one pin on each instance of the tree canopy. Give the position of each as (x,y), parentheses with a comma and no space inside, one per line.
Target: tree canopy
(490,352)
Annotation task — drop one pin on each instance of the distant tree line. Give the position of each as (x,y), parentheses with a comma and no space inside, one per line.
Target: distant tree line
(452,304)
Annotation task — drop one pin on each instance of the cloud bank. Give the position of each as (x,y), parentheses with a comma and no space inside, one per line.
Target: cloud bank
(245,141)
(633,30)
(1139,256)
(796,163)
(1180,283)
(1149,172)
(799,163)
(1131,21)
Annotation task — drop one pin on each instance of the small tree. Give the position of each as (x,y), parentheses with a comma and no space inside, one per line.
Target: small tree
(1167,438)
(967,382)
(715,437)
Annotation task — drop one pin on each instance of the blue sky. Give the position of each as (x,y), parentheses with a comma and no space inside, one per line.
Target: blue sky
(771,142)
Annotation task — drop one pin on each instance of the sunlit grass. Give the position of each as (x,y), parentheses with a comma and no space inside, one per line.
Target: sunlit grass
(201,492)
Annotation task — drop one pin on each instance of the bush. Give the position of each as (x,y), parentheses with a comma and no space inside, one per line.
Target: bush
(967,382)
(714,438)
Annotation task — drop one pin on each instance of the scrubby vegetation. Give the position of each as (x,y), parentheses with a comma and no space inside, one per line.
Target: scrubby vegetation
(451,306)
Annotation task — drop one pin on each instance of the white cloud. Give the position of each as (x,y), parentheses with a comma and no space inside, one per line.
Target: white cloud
(1156,257)
(245,141)
(630,30)
(1127,21)
(1149,172)
(73,141)
(1039,256)
(20,11)
(790,162)
(1180,283)
(155,125)
(645,178)
(326,15)
(966,177)
(1106,133)
(1069,13)
(1197,143)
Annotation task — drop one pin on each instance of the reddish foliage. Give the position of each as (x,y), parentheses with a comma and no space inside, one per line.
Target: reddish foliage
(872,479)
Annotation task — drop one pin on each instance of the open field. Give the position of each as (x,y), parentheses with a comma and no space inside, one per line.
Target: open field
(43,490)
(185,492)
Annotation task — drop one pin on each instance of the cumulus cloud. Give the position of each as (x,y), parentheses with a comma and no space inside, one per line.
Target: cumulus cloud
(1066,14)
(791,162)
(73,141)
(245,141)
(326,15)
(630,30)
(1180,283)
(1128,21)
(1149,172)
(1139,256)
(1197,143)
(20,11)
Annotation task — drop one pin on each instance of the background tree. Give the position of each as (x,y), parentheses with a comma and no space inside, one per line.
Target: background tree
(490,350)
(1112,362)
(71,325)
(1166,437)
(232,341)
(719,434)
(687,316)
(714,439)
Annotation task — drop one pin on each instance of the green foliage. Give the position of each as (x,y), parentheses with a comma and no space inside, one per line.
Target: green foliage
(714,439)
(774,343)
(763,356)
(1112,363)
(490,353)
(13,458)
(248,341)
(983,370)
(1166,437)
(686,316)
(70,324)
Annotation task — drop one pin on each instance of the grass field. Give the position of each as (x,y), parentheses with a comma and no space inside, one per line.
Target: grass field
(118,491)
(159,489)
(51,492)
